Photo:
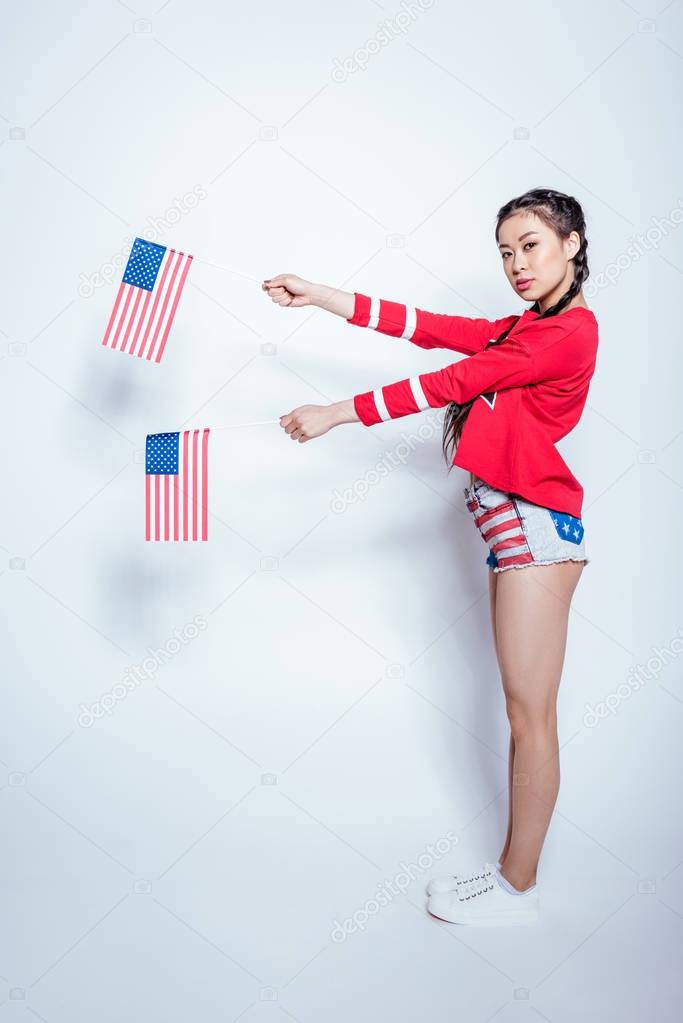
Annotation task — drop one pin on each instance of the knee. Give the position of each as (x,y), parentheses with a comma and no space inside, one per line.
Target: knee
(531,719)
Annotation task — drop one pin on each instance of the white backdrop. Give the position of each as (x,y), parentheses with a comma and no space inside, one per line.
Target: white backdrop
(325,727)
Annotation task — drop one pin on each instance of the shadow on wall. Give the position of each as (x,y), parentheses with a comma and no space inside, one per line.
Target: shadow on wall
(139,595)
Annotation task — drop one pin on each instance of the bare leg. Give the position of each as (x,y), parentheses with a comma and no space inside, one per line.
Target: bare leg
(493,579)
(511,769)
(532,610)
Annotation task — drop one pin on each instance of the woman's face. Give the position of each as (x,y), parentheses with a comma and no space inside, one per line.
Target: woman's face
(535,259)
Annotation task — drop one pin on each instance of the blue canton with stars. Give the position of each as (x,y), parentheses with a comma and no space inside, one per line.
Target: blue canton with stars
(568,526)
(161,454)
(143,264)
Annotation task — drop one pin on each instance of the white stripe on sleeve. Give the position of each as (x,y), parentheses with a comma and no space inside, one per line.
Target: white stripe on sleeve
(411,322)
(418,393)
(381,404)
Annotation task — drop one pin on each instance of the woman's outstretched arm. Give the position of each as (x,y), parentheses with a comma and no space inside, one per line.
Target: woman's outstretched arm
(290,290)
(555,349)
(465,334)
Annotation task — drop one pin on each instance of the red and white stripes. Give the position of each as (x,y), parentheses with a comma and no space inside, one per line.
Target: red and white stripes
(464,334)
(400,401)
(403,398)
(502,531)
(391,318)
(141,320)
(176,505)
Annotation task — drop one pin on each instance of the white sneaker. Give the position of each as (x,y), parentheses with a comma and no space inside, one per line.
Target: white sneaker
(451,882)
(484,902)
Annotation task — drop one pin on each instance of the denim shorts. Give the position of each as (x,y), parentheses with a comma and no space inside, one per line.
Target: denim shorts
(519,533)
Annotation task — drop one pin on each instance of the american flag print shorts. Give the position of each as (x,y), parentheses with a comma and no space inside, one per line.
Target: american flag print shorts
(518,532)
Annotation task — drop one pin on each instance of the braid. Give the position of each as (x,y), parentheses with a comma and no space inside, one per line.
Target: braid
(563,214)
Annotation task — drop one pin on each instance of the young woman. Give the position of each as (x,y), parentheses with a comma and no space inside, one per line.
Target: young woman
(521,390)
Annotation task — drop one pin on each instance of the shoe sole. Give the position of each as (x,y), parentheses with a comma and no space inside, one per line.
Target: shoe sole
(518,917)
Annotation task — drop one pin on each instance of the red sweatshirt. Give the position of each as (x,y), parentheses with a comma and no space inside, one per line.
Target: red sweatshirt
(531,389)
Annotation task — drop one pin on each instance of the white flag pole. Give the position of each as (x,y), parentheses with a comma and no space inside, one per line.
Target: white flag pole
(216,429)
(228,269)
(232,426)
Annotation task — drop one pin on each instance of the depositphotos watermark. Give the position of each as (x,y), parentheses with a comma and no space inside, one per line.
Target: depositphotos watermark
(155,228)
(137,673)
(388,890)
(388,30)
(640,245)
(637,677)
(390,460)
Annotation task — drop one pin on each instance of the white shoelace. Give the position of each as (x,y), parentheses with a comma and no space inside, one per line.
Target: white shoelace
(480,885)
(488,872)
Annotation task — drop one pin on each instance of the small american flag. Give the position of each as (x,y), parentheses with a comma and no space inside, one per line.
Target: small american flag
(176,486)
(147,300)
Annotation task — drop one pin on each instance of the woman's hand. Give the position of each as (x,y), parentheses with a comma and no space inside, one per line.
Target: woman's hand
(288,289)
(309,421)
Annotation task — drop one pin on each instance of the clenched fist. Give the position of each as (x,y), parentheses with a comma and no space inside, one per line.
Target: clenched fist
(309,421)
(288,289)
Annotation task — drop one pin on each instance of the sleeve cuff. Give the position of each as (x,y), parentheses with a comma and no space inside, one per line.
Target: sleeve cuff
(361,310)
(366,409)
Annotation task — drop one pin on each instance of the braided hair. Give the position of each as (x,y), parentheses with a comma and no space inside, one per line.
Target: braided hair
(563,214)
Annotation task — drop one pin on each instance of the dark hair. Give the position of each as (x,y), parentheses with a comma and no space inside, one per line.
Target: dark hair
(563,214)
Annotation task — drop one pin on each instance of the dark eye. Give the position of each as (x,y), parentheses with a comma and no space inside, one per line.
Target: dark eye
(531,243)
